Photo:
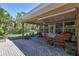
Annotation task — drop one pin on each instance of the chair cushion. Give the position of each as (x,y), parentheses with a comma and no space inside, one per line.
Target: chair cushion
(59,43)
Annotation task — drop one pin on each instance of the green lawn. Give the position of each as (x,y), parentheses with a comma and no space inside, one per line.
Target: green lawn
(19,36)
(14,36)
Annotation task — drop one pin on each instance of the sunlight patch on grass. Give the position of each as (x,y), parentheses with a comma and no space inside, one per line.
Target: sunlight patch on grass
(14,35)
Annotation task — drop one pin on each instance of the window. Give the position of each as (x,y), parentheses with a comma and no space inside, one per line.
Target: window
(59,25)
(59,28)
(46,29)
(51,28)
(69,27)
(41,28)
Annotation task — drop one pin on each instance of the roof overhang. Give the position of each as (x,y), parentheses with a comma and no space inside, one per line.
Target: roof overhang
(42,8)
(63,16)
(51,12)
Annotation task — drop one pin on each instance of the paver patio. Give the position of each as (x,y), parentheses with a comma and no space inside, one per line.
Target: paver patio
(33,47)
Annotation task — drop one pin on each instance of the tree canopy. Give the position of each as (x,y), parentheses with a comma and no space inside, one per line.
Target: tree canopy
(8,24)
(5,20)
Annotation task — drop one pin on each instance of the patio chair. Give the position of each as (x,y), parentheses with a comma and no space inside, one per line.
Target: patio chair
(48,39)
(61,38)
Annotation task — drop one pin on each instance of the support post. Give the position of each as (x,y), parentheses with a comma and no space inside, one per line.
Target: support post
(63,27)
(30,25)
(54,29)
(77,26)
(43,28)
(49,28)
(22,30)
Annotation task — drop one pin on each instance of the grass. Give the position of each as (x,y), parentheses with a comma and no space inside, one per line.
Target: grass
(19,36)
(14,36)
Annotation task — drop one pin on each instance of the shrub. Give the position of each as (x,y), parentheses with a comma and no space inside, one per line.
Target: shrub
(28,36)
(1,31)
(32,34)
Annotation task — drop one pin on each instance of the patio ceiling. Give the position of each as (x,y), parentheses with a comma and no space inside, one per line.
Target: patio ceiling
(68,16)
(62,8)
(63,17)
(39,10)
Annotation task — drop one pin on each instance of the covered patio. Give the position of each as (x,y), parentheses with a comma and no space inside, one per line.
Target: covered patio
(54,19)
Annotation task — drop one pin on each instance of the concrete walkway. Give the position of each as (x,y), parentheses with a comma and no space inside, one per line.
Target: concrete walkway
(8,48)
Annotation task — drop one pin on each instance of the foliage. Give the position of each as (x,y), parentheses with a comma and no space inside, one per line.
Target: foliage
(9,25)
(1,31)
(27,36)
(20,14)
(18,25)
(5,20)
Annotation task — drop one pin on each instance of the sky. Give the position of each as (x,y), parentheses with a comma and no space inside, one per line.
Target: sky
(13,8)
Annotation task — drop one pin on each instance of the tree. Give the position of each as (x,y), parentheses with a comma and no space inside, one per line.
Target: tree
(20,14)
(18,25)
(5,20)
